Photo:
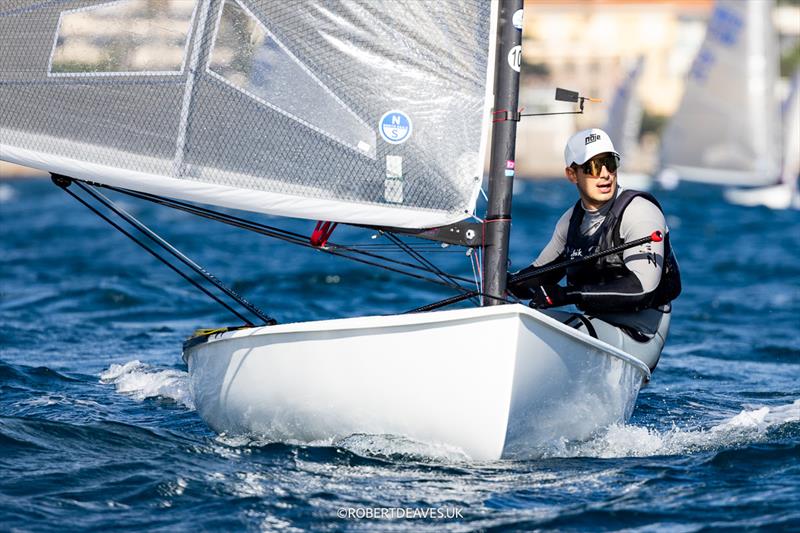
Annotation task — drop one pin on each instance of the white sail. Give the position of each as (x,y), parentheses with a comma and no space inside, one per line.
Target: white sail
(361,112)
(726,130)
(791,134)
(624,123)
(625,114)
(785,194)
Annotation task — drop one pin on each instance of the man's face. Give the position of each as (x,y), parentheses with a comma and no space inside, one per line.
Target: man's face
(595,190)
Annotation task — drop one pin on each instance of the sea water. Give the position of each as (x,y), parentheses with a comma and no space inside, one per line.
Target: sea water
(98,428)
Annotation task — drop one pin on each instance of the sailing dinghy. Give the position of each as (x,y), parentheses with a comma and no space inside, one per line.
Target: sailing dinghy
(785,193)
(728,129)
(364,113)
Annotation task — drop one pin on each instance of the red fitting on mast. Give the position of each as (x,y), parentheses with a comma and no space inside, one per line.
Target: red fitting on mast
(505,114)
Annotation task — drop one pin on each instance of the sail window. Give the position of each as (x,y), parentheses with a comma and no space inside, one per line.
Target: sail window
(248,57)
(124,37)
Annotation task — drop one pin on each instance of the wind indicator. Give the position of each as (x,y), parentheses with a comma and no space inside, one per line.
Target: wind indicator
(562,95)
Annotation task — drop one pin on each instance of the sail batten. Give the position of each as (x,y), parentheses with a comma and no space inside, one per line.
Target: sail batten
(362,114)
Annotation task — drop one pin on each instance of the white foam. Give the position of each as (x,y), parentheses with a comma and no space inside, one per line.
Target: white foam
(394,446)
(365,445)
(250,484)
(142,381)
(749,426)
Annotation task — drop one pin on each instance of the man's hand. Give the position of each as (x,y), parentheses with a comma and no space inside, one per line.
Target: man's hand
(518,289)
(550,295)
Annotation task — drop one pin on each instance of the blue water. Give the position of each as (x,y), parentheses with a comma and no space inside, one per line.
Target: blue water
(98,430)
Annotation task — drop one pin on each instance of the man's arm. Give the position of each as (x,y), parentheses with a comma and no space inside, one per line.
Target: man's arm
(553,252)
(645,263)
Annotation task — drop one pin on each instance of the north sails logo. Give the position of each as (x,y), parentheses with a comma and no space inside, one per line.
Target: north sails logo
(591,138)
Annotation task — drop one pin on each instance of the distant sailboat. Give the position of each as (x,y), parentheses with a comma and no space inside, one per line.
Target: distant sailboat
(727,128)
(785,194)
(624,123)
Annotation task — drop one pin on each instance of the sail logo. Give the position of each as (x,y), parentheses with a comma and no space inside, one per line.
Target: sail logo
(591,138)
(725,26)
(395,127)
(702,65)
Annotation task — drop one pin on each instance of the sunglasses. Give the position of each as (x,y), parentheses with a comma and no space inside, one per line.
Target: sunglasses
(593,167)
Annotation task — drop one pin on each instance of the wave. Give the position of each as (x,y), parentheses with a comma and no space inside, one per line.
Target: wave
(142,381)
(747,427)
(31,376)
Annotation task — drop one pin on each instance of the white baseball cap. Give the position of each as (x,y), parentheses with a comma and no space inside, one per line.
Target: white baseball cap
(586,144)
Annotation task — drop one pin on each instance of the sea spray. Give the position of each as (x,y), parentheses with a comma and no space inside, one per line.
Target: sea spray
(623,440)
(142,381)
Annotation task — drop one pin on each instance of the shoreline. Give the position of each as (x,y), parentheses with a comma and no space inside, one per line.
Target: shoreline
(9,171)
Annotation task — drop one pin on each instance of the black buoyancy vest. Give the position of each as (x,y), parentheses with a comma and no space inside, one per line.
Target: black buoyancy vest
(611,267)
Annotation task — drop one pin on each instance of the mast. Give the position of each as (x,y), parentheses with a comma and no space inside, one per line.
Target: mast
(504,136)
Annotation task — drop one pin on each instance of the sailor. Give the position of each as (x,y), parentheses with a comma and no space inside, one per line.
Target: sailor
(624,297)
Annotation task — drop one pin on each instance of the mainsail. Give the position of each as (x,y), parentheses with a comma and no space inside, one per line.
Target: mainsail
(362,112)
(625,114)
(727,129)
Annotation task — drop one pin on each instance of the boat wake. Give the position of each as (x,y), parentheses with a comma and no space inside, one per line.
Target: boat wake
(747,427)
(142,381)
(750,426)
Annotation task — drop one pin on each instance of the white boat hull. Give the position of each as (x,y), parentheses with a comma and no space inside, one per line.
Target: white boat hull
(635,180)
(495,382)
(782,196)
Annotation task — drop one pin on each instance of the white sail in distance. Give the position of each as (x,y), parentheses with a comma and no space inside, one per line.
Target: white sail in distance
(791,134)
(785,194)
(362,112)
(727,128)
(625,114)
(624,124)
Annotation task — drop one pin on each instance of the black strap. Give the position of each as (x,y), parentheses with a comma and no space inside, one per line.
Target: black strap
(583,320)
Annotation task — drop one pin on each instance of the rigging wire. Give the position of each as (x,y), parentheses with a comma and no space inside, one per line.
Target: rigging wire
(479,264)
(271,231)
(155,254)
(392,248)
(176,253)
(424,261)
(294,238)
(474,272)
